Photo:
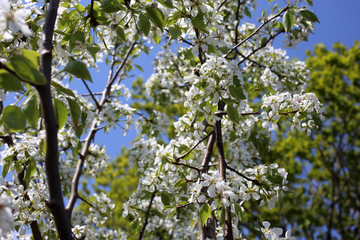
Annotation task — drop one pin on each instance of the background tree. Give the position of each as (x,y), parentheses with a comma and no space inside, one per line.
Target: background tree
(324,168)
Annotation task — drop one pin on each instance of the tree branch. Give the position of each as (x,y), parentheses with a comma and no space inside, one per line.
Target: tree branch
(90,137)
(147,215)
(188,152)
(243,176)
(56,202)
(257,30)
(228,234)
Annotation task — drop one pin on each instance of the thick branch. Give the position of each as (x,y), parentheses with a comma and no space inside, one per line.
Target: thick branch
(56,203)
(209,150)
(228,234)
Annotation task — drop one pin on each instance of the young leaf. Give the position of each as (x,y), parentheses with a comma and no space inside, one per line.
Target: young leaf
(288,21)
(237,92)
(120,32)
(75,113)
(30,110)
(233,113)
(156,16)
(78,69)
(61,112)
(166,3)
(205,212)
(13,118)
(309,15)
(63,90)
(26,70)
(310,2)
(247,12)
(6,167)
(198,22)
(222,216)
(165,198)
(175,31)
(144,24)
(9,82)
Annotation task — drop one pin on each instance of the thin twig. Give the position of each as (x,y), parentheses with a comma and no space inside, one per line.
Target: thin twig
(85,201)
(91,94)
(188,152)
(257,30)
(186,165)
(183,205)
(262,46)
(147,215)
(243,176)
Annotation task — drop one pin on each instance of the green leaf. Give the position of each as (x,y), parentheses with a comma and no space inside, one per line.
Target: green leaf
(110,6)
(13,118)
(172,213)
(156,16)
(31,110)
(26,70)
(9,82)
(63,90)
(30,169)
(247,12)
(198,22)
(80,7)
(178,183)
(61,112)
(78,69)
(6,167)
(76,37)
(205,213)
(309,15)
(165,198)
(233,113)
(288,21)
(144,24)
(310,2)
(120,32)
(237,92)
(32,55)
(166,3)
(238,210)
(222,216)
(75,113)
(175,31)
(263,41)
(93,50)
(139,67)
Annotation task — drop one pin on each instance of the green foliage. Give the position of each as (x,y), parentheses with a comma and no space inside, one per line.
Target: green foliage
(13,118)
(78,69)
(205,212)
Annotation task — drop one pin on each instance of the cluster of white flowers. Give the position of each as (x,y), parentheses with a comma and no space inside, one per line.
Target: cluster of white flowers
(302,105)
(13,19)
(6,217)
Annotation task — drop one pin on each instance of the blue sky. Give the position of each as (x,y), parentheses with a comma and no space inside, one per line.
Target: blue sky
(338,23)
